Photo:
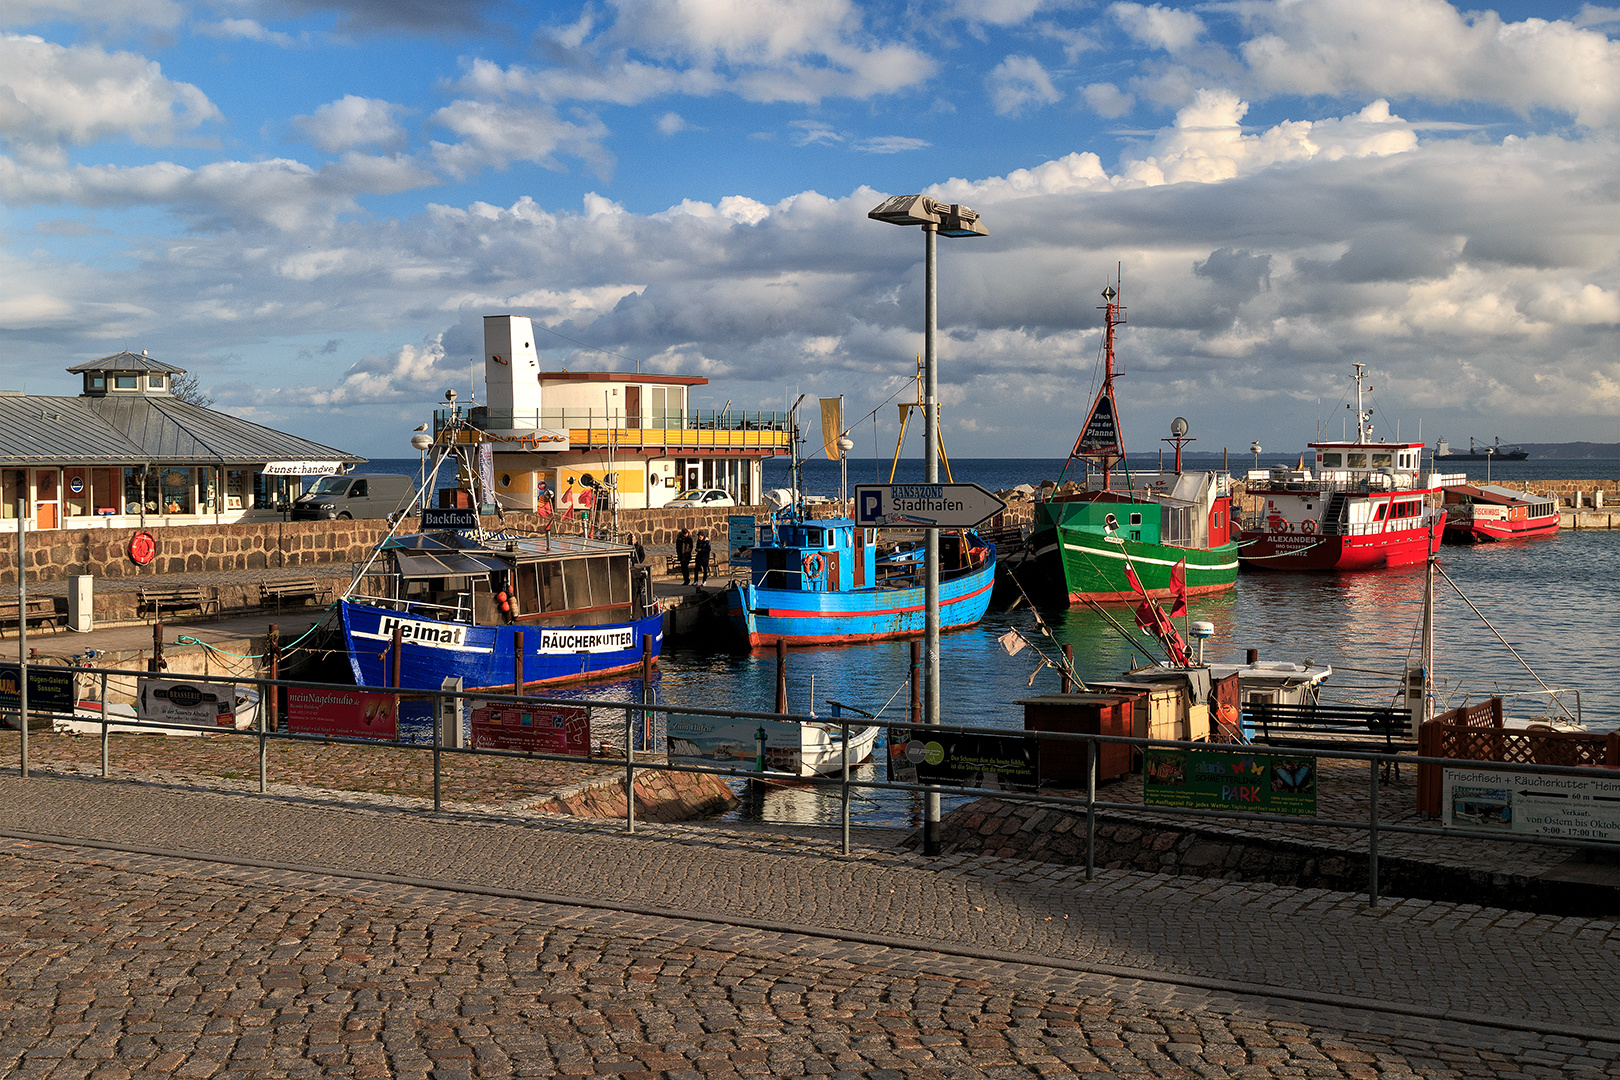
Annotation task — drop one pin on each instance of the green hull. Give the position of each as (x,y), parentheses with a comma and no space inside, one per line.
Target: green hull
(1076,561)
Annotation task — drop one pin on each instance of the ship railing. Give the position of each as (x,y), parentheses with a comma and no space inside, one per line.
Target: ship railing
(460,611)
(1059,769)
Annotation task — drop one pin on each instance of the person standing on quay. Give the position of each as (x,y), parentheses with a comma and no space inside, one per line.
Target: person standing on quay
(703,553)
(683,554)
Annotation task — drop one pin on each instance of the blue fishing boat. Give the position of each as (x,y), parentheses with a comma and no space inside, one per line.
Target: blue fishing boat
(827,581)
(498,611)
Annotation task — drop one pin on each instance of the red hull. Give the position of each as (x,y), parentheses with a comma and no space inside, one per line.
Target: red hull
(1481,532)
(1375,551)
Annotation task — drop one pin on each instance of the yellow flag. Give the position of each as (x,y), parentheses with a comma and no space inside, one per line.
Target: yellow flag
(832,425)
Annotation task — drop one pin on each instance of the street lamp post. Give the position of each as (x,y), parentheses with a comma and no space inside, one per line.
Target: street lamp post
(951,219)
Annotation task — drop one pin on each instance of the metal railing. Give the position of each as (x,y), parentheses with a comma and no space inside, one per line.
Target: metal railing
(638,718)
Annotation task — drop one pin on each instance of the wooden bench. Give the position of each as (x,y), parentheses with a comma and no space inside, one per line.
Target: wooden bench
(286,589)
(175,597)
(40,609)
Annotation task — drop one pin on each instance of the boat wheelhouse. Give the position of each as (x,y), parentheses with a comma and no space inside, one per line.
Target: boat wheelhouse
(500,612)
(1366,505)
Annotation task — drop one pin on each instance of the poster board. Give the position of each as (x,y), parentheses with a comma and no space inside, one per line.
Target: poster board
(344,714)
(177,701)
(50,688)
(727,743)
(1230,780)
(548,729)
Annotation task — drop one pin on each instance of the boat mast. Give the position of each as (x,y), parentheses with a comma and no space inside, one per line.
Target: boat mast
(1113,315)
(1364,426)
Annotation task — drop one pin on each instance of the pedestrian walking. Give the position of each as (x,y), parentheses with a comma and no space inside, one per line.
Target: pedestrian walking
(640,553)
(703,553)
(683,554)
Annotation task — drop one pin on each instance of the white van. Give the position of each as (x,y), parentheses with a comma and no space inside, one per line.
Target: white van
(355,495)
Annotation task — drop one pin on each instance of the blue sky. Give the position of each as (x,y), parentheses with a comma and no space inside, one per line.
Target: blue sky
(311,205)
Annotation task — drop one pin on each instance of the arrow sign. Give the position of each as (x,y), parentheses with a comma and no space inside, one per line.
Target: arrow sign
(925,506)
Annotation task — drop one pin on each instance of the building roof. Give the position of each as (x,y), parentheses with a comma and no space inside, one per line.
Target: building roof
(622,376)
(130,429)
(127,361)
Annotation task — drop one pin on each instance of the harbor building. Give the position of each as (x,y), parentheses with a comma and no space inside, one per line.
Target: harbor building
(578,439)
(128,453)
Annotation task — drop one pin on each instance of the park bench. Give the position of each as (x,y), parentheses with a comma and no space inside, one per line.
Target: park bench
(175,597)
(288,589)
(40,609)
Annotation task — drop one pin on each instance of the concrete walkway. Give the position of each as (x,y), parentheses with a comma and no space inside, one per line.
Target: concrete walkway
(153,930)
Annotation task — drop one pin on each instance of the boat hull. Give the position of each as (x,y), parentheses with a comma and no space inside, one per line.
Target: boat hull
(1487,532)
(483,656)
(764,616)
(1268,550)
(1079,565)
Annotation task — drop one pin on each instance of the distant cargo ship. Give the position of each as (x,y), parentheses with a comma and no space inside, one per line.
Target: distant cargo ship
(1442,449)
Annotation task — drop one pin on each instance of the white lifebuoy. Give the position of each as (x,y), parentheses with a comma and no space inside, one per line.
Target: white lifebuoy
(815,564)
(1307,526)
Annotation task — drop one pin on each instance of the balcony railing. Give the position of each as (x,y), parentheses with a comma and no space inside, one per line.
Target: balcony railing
(584,428)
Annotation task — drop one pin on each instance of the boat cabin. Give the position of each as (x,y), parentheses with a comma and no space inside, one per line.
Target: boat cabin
(556,580)
(836,555)
(1188,509)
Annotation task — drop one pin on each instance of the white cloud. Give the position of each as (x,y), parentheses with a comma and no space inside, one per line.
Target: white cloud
(814,133)
(154,14)
(999,12)
(1159,27)
(413,373)
(51,95)
(1018,82)
(890,144)
(1107,100)
(672,124)
(495,134)
(246,30)
(351,122)
(1429,49)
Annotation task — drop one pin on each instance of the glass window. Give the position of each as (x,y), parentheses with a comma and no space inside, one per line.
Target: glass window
(1332,461)
(177,491)
(1136,519)
(155,382)
(98,382)
(1383,508)
(1382,461)
(127,382)
(1356,461)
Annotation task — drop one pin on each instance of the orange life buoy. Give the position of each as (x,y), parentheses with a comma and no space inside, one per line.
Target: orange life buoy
(142,548)
(814,566)
(1307,526)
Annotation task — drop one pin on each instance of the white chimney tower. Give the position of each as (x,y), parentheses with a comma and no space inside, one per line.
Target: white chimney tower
(511,372)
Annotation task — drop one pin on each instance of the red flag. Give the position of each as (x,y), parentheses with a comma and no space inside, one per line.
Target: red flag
(1136,582)
(1178,588)
(1147,618)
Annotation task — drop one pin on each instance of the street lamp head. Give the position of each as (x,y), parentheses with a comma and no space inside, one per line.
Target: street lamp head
(949,219)
(421,440)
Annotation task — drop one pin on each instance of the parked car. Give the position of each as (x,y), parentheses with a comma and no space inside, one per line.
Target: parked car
(703,497)
(350,495)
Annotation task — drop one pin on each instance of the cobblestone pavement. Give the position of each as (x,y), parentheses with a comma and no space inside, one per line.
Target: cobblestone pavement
(206,933)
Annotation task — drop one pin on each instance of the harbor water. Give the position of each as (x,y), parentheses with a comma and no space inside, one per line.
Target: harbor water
(1553,600)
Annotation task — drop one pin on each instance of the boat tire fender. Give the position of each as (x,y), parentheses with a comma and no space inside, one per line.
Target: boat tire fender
(815,564)
(1307,526)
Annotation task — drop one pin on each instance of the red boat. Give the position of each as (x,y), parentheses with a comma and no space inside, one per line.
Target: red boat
(1482,513)
(1365,505)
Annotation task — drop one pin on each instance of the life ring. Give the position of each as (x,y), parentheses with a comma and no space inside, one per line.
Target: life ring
(1307,526)
(815,564)
(1284,525)
(142,548)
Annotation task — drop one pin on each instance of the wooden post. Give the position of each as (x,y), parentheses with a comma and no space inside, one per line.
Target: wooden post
(398,645)
(646,692)
(156,664)
(1068,666)
(781,676)
(272,700)
(517,663)
(916,687)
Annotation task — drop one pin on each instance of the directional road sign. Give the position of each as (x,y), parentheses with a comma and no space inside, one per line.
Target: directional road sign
(926,506)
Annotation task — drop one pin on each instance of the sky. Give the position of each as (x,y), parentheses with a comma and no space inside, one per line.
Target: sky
(311,204)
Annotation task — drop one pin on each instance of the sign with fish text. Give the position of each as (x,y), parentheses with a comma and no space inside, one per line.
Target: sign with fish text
(1531,804)
(1230,780)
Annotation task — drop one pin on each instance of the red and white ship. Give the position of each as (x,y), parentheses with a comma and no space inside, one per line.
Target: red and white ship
(1365,505)
(1481,513)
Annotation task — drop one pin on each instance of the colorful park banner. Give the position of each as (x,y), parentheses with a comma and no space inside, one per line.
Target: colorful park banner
(1230,780)
(1531,804)
(176,701)
(343,714)
(50,688)
(549,729)
(737,744)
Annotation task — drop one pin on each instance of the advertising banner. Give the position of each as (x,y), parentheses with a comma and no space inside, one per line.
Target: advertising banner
(1230,780)
(719,740)
(175,701)
(50,689)
(550,729)
(994,762)
(1573,807)
(344,714)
